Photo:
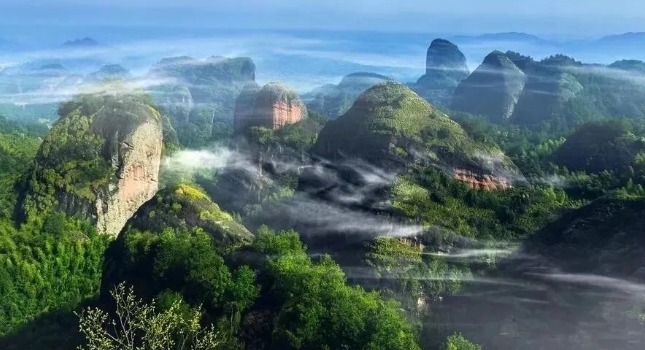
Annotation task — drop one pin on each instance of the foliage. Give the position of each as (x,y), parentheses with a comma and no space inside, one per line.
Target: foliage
(50,267)
(139,325)
(458,342)
(318,310)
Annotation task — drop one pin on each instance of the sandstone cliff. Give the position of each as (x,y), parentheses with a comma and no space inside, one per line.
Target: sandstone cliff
(275,106)
(492,90)
(99,162)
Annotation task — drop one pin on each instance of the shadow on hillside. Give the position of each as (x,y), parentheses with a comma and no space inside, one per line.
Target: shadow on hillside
(54,330)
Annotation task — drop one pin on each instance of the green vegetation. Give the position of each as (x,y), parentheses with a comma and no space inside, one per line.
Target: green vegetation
(142,326)
(45,268)
(417,248)
(332,101)
(392,113)
(186,208)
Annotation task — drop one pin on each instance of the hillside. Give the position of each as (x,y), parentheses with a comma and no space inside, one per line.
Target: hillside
(392,126)
(597,147)
(334,100)
(492,90)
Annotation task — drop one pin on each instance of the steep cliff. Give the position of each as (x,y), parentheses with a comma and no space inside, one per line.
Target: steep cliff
(445,68)
(99,162)
(492,90)
(274,107)
(334,100)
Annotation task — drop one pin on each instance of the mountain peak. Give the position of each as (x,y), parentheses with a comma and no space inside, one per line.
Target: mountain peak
(84,42)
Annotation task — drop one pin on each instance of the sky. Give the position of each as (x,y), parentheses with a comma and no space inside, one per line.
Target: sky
(574,18)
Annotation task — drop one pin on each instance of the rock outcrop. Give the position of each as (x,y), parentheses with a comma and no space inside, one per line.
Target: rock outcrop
(275,106)
(99,162)
(492,90)
(445,68)
(480,180)
(334,100)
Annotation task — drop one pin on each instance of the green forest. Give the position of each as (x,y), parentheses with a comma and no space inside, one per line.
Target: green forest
(181,219)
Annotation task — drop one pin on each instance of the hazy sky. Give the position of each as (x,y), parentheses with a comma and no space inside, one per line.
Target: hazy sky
(569,17)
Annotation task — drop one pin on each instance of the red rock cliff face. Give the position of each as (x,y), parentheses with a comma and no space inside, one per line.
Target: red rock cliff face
(284,113)
(273,106)
(476,180)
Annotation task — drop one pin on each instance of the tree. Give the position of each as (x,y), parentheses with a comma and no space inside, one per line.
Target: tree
(142,326)
(458,342)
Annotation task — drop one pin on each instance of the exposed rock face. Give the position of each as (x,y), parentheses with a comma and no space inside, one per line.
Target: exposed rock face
(137,166)
(492,90)
(445,68)
(274,107)
(334,100)
(100,161)
(482,181)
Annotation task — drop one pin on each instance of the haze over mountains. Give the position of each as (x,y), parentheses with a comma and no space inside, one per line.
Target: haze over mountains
(328,190)
(315,57)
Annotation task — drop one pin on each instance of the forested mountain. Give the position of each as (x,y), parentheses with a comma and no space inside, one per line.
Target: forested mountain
(498,209)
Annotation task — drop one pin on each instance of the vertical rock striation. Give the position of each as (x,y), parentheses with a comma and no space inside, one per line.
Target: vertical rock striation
(100,161)
(274,106)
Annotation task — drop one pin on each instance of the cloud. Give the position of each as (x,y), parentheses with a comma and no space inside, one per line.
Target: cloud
(324,218)
(58,90)
(192,161)
(608,283)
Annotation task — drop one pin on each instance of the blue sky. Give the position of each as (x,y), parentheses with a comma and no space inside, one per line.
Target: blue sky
(546,17)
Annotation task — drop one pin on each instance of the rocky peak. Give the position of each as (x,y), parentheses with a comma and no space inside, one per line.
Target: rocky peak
(492,90)
(99,162)
(84,42)
(445,68)
(275,106)
(442,54)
